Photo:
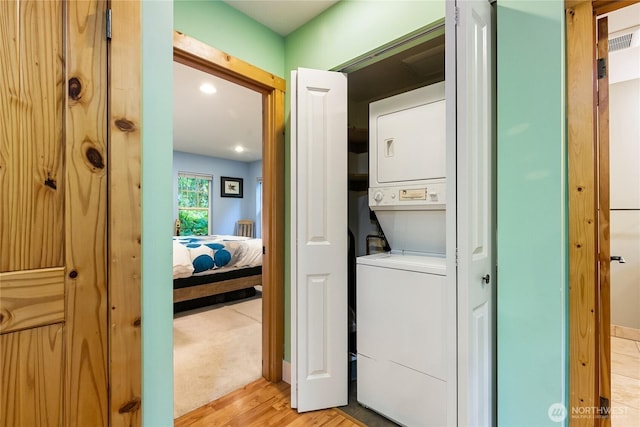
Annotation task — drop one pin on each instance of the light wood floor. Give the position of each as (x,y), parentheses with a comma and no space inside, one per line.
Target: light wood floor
(261,404)
(264,404)
(625,382)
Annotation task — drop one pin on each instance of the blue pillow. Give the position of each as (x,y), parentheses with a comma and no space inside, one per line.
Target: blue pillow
(222,257)
(202,263)
(214,246)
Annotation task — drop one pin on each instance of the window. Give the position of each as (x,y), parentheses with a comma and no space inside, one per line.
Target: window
(194,209)
(259,207)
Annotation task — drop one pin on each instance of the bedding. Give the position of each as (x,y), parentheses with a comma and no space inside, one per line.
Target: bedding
(200,255)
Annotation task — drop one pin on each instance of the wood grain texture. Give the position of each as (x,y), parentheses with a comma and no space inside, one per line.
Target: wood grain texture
(261,404)
(86,216)
(31,174)
(605,6)
(125,286)
(209,289)
(31,377)
(273,236)
(583,357)
(202,55)
(195,54)
(31,298)
(604,244)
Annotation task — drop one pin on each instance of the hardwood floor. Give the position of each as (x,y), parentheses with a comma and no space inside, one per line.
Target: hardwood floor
(261,404)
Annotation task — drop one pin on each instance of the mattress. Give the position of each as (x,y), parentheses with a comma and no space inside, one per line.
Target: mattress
(203,255)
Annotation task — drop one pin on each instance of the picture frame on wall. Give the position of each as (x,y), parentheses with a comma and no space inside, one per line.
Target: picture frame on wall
(231,187)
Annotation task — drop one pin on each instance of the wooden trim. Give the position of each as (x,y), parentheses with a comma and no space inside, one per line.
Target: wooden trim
(604,289)
(196,54)
(202,56)
(605,6)
(215,288)
(273,236)
(31,298)
(582,183)
(125,214)
(86,332)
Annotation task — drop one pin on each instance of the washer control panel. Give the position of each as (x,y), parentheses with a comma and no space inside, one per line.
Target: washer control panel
(430,196)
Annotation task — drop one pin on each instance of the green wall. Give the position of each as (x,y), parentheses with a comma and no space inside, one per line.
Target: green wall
(532,229)
(223,27)
(157,152)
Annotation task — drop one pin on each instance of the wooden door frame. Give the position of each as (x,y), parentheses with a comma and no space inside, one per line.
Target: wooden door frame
(196,54)
(586,323)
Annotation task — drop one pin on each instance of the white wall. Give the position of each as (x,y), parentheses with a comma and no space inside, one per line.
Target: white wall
(624,113)
(225,211)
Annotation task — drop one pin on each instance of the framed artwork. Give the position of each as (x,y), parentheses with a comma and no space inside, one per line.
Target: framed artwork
(230,187)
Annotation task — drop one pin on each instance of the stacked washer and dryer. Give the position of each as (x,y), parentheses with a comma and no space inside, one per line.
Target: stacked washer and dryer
(401,294)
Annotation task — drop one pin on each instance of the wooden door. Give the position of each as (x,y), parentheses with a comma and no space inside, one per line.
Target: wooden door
(53,207)
(319,239)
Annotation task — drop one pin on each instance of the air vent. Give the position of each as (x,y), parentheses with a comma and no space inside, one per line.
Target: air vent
(622,42)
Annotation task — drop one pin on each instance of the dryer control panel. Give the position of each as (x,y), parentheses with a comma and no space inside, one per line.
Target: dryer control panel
(408,197)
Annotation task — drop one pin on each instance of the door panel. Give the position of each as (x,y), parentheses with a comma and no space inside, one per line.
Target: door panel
(31,90)
(319,233)
(31,366)
(53,305)
(475,182)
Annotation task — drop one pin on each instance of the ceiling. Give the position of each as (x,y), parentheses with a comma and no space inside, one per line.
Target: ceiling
(215,124)
(283,17)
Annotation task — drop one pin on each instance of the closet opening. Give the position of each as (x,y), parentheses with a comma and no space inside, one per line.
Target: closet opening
(416,61)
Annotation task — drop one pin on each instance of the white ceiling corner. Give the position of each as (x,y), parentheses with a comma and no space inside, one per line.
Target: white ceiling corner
(282,17)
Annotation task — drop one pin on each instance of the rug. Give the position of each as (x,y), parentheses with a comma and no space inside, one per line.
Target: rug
(217,349)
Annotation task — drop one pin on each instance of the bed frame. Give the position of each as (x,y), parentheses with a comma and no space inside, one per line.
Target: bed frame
(193,287)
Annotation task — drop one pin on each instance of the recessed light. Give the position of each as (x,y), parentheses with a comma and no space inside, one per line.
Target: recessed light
(207,88)
(239,149)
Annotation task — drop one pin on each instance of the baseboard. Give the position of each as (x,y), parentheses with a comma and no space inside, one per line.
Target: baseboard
(286,372)
(625,332)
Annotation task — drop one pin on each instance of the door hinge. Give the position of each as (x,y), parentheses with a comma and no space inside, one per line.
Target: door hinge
(108,29)
(264,250)
(456,257)
(605,409)
(602,68)
(456,15)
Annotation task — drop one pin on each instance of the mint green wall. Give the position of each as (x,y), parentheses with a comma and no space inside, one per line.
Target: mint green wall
(352,28)
(343,32)
(532,229)
(157,152)
(223,27)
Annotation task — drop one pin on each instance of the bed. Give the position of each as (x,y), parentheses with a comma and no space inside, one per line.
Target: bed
(208,266)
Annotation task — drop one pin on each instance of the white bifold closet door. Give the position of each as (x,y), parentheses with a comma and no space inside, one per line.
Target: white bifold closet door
(319,239)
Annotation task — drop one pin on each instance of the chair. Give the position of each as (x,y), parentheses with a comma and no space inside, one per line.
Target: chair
(244,227)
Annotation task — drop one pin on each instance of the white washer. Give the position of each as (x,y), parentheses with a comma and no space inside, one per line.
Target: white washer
(401,367)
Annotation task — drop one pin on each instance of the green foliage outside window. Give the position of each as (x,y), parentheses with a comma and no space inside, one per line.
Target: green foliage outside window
(193,205)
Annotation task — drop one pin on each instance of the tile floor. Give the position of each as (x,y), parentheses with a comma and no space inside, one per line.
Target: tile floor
(625,382)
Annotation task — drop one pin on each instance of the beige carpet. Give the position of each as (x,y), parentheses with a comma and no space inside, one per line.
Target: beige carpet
(215,351)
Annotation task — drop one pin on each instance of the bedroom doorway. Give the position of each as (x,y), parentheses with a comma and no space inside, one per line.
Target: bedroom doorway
(252,325)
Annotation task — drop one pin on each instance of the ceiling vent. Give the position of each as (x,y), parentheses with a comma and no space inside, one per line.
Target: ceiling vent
(629,37)
(621,42)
